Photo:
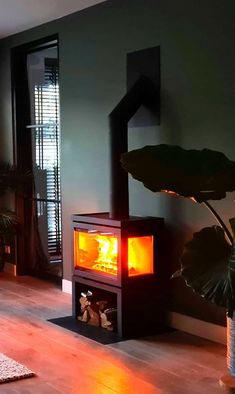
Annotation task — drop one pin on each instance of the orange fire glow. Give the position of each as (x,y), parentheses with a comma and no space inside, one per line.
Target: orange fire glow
(100,252)
(107,257)
(140,255)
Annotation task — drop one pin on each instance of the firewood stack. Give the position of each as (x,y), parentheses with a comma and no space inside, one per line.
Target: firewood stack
(97,312)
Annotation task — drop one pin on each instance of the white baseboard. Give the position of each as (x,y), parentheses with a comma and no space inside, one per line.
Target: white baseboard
(188,324)
(10,268)
(67,286)
(197,327)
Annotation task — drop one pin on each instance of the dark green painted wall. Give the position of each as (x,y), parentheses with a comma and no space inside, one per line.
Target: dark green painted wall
(198,95)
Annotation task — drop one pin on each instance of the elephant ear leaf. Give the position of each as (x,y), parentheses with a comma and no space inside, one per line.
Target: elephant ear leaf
(205,266)
(201,174)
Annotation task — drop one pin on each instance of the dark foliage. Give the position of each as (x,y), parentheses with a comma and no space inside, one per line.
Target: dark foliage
(200,174)
(208,260)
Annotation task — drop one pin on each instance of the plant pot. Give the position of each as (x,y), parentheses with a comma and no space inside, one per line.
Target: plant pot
(2,256)
(231,344)
(227,381)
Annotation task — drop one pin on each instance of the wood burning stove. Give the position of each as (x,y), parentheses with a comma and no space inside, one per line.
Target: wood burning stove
(120,261)
(119,275)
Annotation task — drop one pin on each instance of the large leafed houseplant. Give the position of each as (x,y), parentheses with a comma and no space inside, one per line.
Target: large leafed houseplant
(11,180)
(208,259)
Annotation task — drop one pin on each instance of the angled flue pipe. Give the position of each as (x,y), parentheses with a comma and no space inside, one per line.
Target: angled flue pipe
(142,92)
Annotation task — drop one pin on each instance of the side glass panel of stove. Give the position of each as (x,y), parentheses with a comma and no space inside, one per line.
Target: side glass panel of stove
(98,251)
(140,255)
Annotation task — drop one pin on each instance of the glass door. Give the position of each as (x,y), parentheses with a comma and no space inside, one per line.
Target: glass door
(43,81)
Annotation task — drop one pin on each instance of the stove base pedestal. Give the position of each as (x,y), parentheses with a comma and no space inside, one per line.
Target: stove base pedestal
(140,311)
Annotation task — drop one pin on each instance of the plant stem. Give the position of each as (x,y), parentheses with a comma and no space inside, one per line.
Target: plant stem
(220,221)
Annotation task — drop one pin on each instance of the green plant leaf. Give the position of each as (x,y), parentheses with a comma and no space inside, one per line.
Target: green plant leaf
(232,224)
(8,222)
(206,266)
(199,174)
(11,178)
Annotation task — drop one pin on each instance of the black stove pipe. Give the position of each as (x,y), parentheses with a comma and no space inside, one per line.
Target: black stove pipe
(142,92)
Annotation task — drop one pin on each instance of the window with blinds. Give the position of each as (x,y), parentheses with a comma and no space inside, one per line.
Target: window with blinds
(46,153)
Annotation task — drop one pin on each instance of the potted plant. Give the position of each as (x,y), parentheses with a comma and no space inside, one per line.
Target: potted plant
(208,259)
(11,180)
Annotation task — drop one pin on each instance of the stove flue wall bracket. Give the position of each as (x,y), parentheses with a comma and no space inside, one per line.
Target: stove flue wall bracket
(145,62)
(141,105)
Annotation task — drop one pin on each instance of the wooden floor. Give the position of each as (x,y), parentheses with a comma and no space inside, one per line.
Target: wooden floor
(69,363)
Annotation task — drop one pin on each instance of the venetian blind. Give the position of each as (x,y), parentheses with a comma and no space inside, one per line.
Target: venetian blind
(47,154)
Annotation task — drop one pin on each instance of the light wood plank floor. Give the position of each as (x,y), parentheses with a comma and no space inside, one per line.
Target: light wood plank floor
(174,363)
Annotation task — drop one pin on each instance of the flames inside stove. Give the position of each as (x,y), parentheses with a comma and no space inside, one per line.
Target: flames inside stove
(99,251)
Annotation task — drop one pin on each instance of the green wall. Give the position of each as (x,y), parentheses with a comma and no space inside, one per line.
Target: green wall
(198,95)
